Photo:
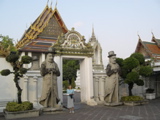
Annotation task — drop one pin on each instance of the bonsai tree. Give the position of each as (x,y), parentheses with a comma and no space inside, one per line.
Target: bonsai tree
(132,68)
(18,70)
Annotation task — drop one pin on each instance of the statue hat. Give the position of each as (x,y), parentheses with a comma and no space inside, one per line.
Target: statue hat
(51,50)
(111,53)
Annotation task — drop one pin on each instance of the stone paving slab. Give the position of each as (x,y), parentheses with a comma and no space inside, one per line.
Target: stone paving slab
(149,111)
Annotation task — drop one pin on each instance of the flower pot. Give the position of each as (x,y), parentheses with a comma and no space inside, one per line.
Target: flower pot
(150,96)
(21,114)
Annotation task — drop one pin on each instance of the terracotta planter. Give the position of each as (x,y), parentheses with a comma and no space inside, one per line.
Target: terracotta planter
(21,114)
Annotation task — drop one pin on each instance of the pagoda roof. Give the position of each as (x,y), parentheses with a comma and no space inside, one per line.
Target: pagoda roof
(151,48)
(43,32)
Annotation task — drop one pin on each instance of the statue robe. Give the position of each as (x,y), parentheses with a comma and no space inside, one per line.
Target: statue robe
(112,84)
(49,89)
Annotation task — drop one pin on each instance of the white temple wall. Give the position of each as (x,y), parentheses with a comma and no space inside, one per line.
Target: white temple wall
(7,85)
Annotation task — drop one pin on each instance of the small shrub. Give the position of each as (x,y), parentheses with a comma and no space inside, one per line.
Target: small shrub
(5,72)
(14,106)
(149,90)
(131,98)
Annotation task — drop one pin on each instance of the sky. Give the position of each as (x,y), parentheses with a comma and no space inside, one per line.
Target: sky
(116,23)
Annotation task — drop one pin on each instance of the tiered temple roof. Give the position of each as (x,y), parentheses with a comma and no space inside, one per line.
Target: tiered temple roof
(43,32)
(149,49)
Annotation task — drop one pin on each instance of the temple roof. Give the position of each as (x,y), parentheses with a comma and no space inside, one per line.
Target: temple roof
(43,32)
(151,48)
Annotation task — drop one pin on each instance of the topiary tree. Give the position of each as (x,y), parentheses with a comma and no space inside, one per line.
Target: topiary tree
(18,70)
(132,68)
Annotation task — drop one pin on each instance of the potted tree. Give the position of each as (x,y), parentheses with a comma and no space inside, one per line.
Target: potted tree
(16,109)
(133,68)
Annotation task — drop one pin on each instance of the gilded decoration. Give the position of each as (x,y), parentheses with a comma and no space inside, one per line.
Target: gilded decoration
(49,23)
(73,43)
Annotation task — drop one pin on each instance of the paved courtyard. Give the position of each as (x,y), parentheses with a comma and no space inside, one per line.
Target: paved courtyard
(149,111)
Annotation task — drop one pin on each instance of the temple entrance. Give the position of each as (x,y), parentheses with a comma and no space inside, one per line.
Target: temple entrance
(86,77)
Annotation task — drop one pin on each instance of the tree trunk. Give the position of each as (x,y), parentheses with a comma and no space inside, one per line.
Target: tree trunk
(130,86)
(19,91)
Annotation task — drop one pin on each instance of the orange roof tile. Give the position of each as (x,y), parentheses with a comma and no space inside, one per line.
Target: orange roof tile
(152,47)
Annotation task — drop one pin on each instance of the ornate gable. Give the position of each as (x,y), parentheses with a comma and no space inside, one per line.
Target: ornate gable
(73,43)
(48,25)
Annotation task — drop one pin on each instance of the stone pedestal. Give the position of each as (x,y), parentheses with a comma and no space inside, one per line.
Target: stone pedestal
(113,104)
(58,109)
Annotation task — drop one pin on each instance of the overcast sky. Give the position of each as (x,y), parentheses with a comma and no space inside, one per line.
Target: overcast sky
(116,22)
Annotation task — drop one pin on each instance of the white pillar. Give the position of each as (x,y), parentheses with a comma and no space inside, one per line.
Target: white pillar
(102,80)
(58,60)
(35,93)
(30,55)
(96,88)
(89,81)
(25,88)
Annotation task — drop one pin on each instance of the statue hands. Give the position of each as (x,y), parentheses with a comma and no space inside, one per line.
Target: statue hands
(115,70)
(51,70)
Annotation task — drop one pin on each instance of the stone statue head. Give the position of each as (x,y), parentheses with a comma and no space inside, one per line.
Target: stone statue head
(112,57)
(50,57)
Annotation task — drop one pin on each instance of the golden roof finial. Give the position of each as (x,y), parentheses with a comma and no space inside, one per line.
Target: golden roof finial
(47,2)
(51,5)
(56,4)
(152,34)
(138,36)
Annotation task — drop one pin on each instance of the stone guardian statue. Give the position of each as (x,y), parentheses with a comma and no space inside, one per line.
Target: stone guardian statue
(111,97)
(50,71)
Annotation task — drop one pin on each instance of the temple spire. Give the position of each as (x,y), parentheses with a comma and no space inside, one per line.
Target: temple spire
(93,38)
(93,35)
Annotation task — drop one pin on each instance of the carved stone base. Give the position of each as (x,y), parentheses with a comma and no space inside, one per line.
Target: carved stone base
(57,109)
(113,104)
(91,102)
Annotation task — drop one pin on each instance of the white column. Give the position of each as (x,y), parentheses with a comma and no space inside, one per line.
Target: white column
(30,55)
(42,58)
(58,60)
(89,81)
(102,80)
(35,88)
(25,88)
(96,88)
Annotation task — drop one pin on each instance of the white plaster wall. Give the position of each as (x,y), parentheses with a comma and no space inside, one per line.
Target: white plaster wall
(7,86)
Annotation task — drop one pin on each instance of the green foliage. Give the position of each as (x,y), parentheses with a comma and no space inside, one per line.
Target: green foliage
(5,72)
(65,84)
(14,106)
(139,57)
(26,59)
(131,98)
(130,63)
(23,70)
(73,84)
(139,82)
(146,71)
(132,77)
(119,61)
(131,69)
(149,90)
(12,57)
(7,42)
(70,69)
